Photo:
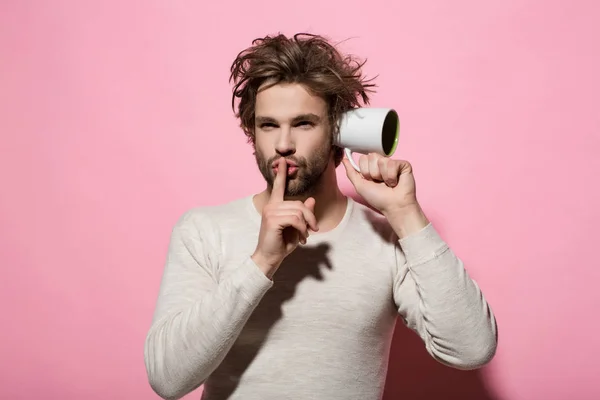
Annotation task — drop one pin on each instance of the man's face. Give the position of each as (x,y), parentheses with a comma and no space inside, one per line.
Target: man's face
(292,123)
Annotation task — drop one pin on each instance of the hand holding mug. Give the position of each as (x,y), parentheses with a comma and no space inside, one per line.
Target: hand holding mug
(383,182)
(386,184)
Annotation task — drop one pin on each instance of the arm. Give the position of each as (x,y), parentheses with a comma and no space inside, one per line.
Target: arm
(437,298)
(197,317)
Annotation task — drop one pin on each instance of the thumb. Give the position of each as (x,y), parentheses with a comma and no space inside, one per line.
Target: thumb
(353,175)
(310,204)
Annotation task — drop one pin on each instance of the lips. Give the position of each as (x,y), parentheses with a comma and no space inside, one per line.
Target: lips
(288,162)
(292,169)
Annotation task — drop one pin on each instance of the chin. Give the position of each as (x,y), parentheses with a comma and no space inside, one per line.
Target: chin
(300,191)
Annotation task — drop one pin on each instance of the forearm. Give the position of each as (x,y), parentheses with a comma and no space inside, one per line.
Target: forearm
(455,321)
(187,344)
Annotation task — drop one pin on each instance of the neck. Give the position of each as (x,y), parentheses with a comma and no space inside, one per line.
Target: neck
(330,202)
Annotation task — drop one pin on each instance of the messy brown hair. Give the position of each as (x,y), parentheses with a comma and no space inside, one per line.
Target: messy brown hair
(306,59)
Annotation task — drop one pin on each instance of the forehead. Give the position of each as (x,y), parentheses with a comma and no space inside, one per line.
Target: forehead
(285,101)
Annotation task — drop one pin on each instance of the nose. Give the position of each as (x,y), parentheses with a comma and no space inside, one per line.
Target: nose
(285,144)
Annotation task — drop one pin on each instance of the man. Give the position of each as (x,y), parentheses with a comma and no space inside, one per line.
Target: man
(294,292)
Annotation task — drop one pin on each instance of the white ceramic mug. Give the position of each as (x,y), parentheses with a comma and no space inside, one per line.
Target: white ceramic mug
(368,130)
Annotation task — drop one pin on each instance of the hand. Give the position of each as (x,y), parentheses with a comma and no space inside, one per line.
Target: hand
(284,225)
(385,183)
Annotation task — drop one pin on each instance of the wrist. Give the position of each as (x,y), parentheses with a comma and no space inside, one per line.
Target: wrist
(264,264)
(407,220)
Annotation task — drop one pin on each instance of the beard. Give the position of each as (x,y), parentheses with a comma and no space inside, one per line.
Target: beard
(307,177)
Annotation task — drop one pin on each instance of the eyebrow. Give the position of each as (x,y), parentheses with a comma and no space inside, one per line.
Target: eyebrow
(314,118)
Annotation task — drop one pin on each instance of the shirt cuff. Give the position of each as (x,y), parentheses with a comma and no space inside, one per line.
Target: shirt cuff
(252,281)
(423,246)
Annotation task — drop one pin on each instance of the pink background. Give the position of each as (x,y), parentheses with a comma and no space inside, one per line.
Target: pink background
(115,118)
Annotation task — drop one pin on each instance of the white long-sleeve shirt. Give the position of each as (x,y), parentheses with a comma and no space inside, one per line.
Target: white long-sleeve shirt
(321,329)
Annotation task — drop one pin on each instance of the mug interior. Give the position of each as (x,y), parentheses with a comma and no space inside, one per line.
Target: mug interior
(390,131)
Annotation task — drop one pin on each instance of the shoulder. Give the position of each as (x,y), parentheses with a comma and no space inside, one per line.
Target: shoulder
(210,218)
(372,221)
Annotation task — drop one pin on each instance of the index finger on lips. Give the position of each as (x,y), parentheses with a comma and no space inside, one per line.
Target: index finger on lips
(279,184)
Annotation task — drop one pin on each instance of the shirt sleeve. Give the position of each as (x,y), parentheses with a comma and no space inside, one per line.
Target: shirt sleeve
(436,298)
(197,317)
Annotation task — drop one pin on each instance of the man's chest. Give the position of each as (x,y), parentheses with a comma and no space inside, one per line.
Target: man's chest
(321,285)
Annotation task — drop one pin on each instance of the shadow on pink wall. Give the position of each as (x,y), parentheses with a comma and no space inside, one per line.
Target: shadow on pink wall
(413,374)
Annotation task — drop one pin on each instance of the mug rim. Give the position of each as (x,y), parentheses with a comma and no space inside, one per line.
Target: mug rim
(396,135)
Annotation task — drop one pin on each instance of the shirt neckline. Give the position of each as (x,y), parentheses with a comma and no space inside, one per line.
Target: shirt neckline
(315,237)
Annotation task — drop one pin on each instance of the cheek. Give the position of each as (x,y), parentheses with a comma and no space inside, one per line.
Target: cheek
(262,145)
(319,142)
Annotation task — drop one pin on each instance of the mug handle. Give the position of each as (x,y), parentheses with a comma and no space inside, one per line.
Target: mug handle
(348,153)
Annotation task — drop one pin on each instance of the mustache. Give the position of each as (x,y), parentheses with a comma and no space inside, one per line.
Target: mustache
(298,162)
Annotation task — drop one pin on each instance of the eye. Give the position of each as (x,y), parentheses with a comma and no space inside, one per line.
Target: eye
(267,125)
(305,124)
